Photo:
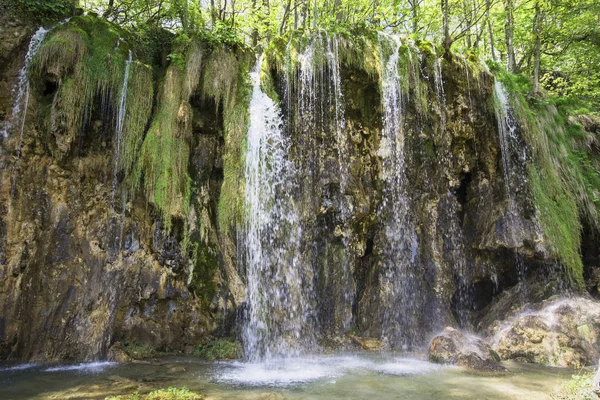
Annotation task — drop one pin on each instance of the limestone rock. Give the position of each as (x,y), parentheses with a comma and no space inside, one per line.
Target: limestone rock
(559,332)
(368,344)
(116,353)
(453,347)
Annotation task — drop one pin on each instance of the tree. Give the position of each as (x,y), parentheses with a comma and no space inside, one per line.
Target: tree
(509,27)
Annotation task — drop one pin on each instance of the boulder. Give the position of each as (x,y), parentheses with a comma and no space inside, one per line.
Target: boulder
(558,332)
(454,347)
(116,353)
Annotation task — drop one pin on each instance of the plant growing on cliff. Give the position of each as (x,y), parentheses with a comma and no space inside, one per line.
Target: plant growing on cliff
(220,349)
(564,184)
(225,81)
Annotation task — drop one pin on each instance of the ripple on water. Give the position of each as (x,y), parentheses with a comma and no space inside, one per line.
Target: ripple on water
(19,367)
(98,366)
(289,372)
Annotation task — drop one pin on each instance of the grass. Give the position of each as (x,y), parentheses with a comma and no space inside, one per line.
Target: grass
(220,349)
(171,393)
(578,388)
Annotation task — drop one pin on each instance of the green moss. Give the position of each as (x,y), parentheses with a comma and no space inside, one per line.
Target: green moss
(140,94)
(205,266)
(220,349)
(361,53)
(139,351)
(84,57)
(563,184)
(171,393)
(164,156)
(226,81)
(87,58)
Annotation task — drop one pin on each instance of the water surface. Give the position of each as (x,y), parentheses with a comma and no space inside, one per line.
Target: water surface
(347,376)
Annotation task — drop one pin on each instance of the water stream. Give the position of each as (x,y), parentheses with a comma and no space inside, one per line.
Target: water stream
(120,123)
(19,110)
(400,292)
(278,323)
(514,160)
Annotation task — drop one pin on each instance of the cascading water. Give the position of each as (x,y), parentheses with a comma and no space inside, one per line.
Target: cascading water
(466,64)
(22,88)
(514,159)
(279,319)
(316,119)
(399,286)
(335,99)
(339,122)
(119,133)
(19,110)
(439,90)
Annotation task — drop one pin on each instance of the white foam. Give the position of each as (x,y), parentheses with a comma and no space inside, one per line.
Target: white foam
(98,366)
(296,371)
(407,366)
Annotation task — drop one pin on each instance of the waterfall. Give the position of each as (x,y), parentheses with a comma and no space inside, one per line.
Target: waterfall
(466,64)
(514,159)
(22,88)
(335,97)
(119,132)
(398,280)
(19,110)
(339,123)
(439,91)
(279,310)
(316,122)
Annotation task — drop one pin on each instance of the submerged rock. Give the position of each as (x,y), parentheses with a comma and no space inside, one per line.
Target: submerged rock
(559,332)
(453,347)
(368,344)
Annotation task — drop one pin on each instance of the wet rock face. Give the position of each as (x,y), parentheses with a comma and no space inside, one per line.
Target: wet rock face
(456,348)
(66,293)
(71,285)
(558,332)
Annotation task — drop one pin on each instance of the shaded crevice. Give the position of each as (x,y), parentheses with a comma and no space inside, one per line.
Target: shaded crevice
(462,194)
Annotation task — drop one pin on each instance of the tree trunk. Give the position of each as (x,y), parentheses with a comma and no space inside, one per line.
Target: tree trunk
(469,17)
(490,29)
(295,14)
(537,47)
(414,15)
(338,9)
(446,22)
(286,15)
(509,25)
(109,9)
(304,13)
